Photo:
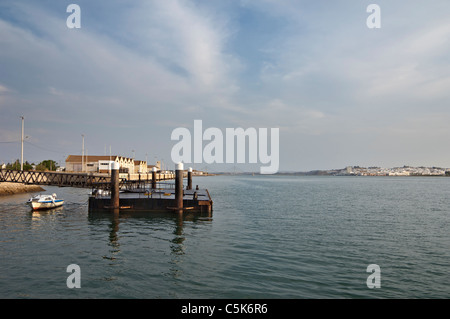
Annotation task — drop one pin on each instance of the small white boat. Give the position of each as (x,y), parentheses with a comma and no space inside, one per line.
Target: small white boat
(45,202)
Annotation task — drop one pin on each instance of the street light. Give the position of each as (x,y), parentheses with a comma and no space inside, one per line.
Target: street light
(21,156)
(82,155)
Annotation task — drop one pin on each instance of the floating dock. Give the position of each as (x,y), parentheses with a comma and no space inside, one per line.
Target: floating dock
(154,197)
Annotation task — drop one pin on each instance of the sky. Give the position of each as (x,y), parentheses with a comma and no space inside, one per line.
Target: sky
(339,92)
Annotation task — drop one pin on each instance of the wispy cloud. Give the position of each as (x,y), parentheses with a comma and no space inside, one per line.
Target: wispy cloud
(138,70)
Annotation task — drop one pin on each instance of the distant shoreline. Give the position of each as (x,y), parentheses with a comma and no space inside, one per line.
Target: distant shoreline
(18,188)
(320,174)
(420,171)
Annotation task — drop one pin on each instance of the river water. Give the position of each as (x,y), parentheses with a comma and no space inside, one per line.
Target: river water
(268,237)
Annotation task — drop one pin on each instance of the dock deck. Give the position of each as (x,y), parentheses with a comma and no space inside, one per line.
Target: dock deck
(153,200)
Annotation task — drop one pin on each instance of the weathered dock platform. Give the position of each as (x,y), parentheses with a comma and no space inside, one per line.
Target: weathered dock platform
(154,197)
(154,200)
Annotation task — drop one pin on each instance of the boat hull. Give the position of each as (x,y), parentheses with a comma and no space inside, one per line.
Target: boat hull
(46,204)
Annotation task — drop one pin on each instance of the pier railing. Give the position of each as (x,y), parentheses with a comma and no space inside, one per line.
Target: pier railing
(60,179)
(69,179)
(142,190)
(131,186)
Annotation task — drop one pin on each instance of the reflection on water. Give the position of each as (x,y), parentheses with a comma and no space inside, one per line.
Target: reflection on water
(155,224)
(38,214)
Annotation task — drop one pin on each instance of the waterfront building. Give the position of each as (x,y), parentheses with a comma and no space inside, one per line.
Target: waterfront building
(99,163)
(141,167)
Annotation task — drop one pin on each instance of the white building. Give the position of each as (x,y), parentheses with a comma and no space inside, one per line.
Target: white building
(140,167)
(98,164)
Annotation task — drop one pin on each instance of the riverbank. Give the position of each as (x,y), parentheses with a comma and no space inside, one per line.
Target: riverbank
(17,188)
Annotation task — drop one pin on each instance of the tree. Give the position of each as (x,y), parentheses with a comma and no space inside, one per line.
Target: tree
(16,166)
(47,165)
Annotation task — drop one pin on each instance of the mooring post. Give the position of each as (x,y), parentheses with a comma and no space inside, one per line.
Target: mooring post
(179,186)
(189,183)
(154,169)
(115,186)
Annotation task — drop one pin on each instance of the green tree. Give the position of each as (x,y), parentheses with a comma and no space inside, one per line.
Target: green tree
(47,165)
(16,166)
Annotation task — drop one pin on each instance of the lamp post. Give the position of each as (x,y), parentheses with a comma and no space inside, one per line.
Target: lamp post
(82,154)
(21,156)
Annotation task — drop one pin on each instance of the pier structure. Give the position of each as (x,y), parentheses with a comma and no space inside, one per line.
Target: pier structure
(80,180)
(116,192)
(154,197)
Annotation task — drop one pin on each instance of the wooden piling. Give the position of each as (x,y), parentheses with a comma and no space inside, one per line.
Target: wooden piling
(189,175)
(115,186)
(179,186)
(154,169)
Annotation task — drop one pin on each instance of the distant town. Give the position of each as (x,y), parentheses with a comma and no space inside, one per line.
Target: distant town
(379,171)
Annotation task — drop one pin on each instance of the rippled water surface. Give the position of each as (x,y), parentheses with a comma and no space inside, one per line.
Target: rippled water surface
(268,237)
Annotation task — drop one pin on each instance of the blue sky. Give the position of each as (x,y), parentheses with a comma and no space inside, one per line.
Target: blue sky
(340,93)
